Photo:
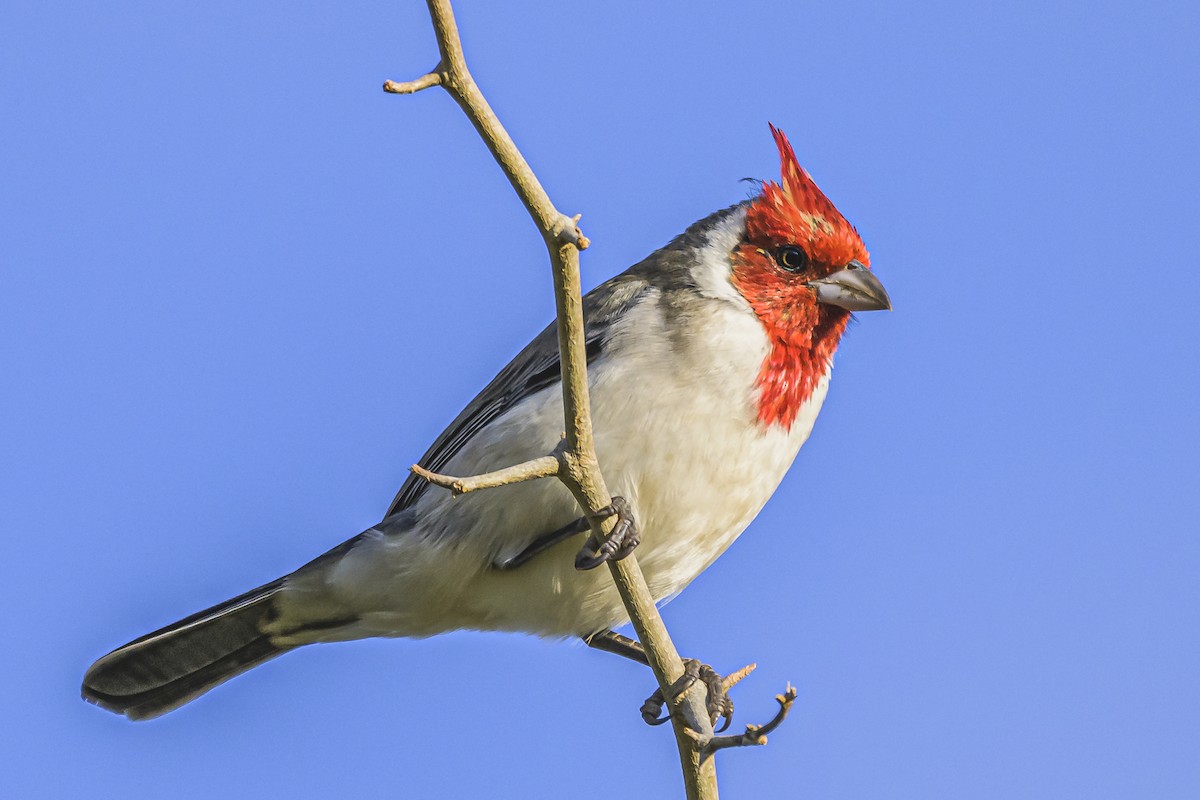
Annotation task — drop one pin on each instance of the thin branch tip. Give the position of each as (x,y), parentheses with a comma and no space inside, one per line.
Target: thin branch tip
(734,678)
(412,87)
(444,481)
(755,735)
(544,467)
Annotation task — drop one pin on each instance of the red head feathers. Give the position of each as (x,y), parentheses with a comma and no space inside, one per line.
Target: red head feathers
(795,211)
(794,236)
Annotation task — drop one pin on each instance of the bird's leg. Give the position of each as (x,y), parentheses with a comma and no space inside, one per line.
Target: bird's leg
(621,542)
(544,543)
(719,704)
(613,642)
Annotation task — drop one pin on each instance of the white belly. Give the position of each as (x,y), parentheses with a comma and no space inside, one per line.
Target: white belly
(684,448)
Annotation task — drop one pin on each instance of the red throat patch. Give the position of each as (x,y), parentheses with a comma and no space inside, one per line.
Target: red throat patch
(803,333)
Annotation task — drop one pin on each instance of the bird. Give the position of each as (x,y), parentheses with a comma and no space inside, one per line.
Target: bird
(708,362)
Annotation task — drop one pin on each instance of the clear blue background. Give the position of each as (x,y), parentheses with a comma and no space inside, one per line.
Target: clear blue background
(242,289)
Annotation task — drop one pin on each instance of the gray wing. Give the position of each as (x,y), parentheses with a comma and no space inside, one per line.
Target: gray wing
(534,368)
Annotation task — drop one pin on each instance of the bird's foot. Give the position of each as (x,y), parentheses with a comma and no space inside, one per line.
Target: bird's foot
(624,537)
(719,704)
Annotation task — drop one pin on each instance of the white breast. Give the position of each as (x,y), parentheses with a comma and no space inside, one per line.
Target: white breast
(674,409)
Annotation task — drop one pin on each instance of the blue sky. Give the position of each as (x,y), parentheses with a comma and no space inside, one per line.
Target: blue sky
(242,289)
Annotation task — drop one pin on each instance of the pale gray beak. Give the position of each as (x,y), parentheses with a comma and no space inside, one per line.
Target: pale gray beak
(855,289)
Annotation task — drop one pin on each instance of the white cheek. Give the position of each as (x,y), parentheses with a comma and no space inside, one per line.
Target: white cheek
(712,272)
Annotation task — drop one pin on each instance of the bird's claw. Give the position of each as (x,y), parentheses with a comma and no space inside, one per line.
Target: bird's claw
(719,704)
(622,541)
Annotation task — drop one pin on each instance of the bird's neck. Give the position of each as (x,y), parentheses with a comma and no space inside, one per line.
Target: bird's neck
(795,364)
(802,334)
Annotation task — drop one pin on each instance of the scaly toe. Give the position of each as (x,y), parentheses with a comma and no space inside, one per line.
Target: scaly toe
(620,542)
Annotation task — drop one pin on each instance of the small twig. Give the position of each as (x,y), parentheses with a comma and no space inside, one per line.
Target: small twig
(755,735)
(573,234)
(433,78)
(734,678)
(544,467)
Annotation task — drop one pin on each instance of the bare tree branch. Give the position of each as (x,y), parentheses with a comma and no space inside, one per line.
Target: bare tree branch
(412,87)
(544,467)
(575,463)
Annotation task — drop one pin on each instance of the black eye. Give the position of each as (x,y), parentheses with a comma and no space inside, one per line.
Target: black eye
(791,258)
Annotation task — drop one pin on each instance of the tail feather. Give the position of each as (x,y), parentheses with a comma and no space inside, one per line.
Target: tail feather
(172,666)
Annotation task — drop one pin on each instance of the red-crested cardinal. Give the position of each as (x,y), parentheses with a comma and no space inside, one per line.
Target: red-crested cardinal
(707,362)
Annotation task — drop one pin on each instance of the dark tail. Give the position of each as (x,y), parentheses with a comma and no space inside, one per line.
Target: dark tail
(165,669)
